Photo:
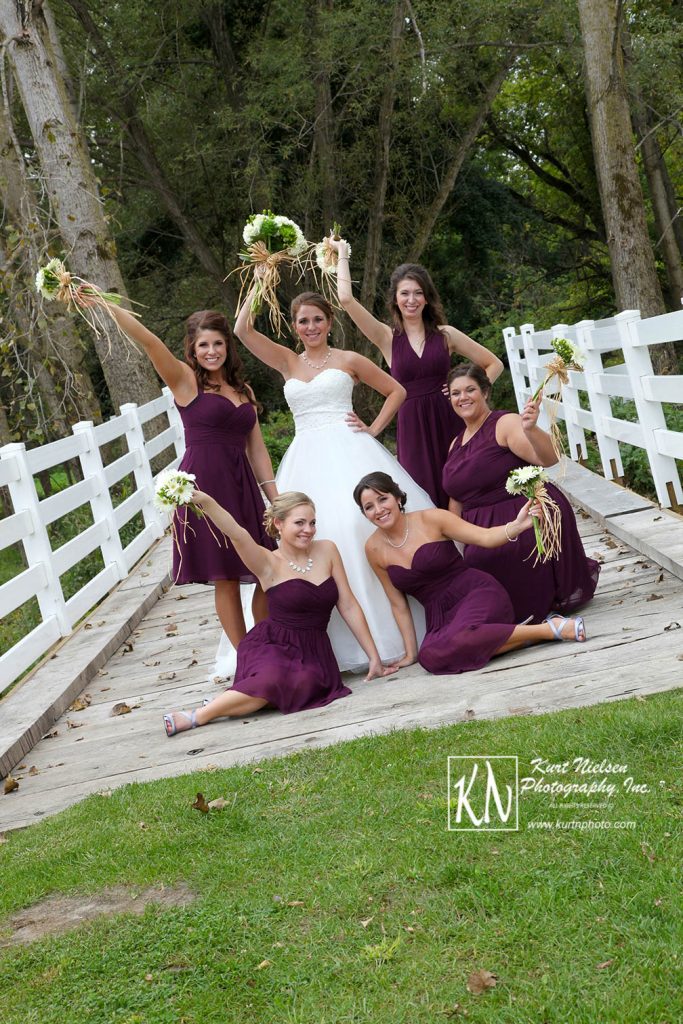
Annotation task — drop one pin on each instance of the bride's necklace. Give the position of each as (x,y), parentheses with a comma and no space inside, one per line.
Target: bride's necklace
(299,568)
(401,543)
(316,366)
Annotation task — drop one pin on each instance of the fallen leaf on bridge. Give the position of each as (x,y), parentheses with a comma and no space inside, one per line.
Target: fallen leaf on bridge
(11,785)
(120,709)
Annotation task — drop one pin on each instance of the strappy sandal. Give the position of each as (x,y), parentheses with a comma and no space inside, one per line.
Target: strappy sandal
(172,726)
(579,627)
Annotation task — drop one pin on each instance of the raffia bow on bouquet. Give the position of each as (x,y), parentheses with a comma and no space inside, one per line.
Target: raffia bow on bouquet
(172,492)
(272,241)
(55,283)
(567,357)
(530,482)
(324,260)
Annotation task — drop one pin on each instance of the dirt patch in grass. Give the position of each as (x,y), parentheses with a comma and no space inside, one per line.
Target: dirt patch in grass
(58,914)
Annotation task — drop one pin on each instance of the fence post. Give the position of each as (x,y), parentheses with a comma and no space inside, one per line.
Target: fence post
(144,481)
(515,361)
(650,413)
(576,439)
(175,421)
(101,503)
(601,409)
(535,370)
(37,543)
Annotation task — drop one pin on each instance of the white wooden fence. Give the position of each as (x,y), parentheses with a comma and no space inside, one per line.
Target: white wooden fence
(585,404)
(32,516)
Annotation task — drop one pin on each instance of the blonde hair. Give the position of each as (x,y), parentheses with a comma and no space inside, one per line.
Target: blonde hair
(280,508)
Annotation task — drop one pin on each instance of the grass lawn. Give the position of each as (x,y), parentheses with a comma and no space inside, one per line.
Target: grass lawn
(329,889)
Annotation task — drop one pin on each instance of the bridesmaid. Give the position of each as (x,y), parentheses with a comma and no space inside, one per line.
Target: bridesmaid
(224,448)
(417,350)
(286,661)
(481,458)
(469,615)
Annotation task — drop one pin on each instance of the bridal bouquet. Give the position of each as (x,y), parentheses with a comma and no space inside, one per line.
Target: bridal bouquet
(567,357)
(324,263)
(173,490)
(530,481)
(271,240)
(55,282)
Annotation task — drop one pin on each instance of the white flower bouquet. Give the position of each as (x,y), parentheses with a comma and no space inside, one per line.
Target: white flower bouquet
(271,240)
(173,491)
(530,482)
(324,260)
(567,357)
(55,283)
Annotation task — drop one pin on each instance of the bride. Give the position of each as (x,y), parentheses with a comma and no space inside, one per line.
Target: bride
(331,450)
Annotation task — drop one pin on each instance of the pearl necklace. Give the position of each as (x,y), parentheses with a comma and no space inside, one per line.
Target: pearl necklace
(298,568)
(400,545)
(316,366)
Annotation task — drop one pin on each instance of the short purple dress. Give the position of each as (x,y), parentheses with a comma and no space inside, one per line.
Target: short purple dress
(469,615)
(216,432)
(287,658)
(426,423)
(475,475)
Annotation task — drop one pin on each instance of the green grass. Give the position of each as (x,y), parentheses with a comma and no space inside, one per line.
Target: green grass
(357,832)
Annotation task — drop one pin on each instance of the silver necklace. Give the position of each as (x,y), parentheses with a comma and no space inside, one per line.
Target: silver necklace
(298,568)
(400,545)
(316,366)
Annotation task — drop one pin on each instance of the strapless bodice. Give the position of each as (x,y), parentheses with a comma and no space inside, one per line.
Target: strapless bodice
(299,604)
(434,567)
(320,402)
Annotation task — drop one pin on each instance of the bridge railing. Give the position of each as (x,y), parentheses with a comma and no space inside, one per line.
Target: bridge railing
(33,512)
(585,404)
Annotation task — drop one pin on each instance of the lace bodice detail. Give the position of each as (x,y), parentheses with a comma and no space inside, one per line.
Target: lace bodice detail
(320,402)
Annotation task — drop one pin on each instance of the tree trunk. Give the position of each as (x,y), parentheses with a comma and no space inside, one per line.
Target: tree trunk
(464,147)
(653,163)
(323,132)
(48,337)
(386,113)
(72,190)
(634,275)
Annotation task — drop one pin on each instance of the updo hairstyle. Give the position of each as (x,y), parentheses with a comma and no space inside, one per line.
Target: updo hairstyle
(381,483)
(475,373)
(280,508)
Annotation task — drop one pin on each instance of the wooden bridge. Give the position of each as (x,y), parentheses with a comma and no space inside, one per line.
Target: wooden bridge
(147,649)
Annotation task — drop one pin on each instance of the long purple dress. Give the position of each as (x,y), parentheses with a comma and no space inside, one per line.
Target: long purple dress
(475,475)
(216,432)
(426,423)
(287,658)
(469,615)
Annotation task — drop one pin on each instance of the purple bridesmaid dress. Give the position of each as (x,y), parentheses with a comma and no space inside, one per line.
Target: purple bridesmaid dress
(426,423)
(216,432)
(475,475)
(287,658)
(469,615)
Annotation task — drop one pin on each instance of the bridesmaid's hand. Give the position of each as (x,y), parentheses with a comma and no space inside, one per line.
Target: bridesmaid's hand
(530,414)
(356,424)
(340,245)
(526,515)
(201,499)
(376,670)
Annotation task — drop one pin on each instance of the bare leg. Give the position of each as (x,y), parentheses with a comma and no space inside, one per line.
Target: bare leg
(523,636)
(230,704)
(229,610)
(259,604)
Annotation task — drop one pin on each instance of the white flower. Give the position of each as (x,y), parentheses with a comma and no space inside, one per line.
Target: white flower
(252,228)
(173,488)
(326,257)
(521,481)
(300,244)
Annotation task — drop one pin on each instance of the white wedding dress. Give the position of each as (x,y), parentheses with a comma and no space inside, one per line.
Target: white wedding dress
(326,460)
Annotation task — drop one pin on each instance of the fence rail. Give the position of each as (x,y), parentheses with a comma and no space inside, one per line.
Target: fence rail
(585,403)
(41,579)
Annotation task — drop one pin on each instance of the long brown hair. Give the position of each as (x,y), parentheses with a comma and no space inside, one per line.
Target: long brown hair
(432,314)
(232,369)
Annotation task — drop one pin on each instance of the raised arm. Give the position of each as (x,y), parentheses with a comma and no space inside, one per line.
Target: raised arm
(394,393)
(353,616)
(453,527)
(524,437)
(461,344)
(373,329)
(257,559)
(279,357)
(174,372)
(400,608)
